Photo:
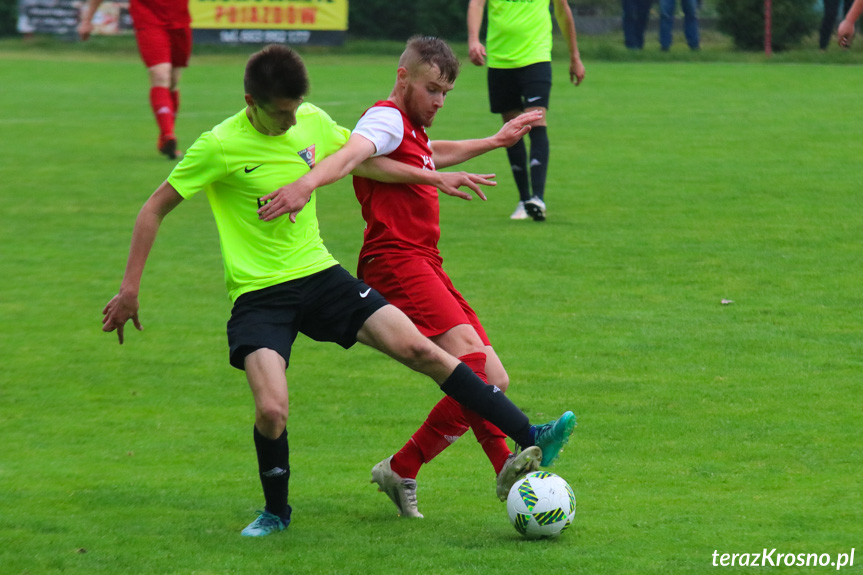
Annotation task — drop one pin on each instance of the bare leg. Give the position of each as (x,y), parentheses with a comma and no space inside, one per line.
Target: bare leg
(390,331)
(265,370)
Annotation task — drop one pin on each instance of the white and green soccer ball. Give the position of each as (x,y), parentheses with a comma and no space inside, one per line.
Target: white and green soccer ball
(541,504)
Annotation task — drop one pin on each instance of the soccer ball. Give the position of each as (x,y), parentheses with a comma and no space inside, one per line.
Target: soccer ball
(541,504)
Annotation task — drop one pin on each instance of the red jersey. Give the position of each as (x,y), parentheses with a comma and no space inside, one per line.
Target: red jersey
(400,217)
(167,14)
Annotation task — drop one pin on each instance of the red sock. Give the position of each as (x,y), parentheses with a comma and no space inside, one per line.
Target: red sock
(492,439)
(163,109)
(444,424)
(175,100)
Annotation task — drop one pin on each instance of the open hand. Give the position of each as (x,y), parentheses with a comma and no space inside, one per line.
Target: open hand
(450,182)
(515,129)
(288,199)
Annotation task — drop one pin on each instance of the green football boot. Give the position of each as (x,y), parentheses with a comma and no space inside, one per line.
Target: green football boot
(552,436)
(265,524)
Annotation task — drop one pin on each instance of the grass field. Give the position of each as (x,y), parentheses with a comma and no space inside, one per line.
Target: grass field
(673,185)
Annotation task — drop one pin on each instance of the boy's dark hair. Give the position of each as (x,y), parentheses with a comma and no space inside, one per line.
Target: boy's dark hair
(433,51)
(277,71)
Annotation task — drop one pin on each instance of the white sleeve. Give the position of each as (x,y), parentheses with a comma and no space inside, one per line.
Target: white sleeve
(383,127)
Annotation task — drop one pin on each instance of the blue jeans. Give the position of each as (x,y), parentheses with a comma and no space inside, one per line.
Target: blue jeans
(635,15)
(666,22)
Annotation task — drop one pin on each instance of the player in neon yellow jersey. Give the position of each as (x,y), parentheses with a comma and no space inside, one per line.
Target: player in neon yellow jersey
(519,80)
(236,164)
(282,279)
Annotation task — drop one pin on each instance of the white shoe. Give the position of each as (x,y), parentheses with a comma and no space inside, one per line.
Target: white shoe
(402,492)
(520,213)
(535,208)
(517,466)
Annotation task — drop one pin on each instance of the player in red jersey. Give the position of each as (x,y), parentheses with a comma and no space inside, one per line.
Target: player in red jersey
(164,34)
(400,256)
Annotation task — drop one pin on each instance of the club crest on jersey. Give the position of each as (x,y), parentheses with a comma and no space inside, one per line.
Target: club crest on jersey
(428,163)
(308,155)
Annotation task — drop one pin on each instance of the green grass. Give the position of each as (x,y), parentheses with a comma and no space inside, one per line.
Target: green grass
(673,185)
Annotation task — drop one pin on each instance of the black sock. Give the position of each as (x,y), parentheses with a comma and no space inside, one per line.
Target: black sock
(464,386)
(517,155)
(275,471)
(538,159)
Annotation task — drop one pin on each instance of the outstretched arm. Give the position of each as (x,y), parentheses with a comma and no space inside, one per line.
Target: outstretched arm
(292,198)
(846,27)
(447,153)
(355,157)
(85,27)
(384,169)
(563,14)
(124,305)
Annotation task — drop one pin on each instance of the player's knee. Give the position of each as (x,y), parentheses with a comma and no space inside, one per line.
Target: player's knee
(497,374)
(460,341)
(272,417)
(419,352)
(469,342)
(160,75)
(501,381)
(422,350)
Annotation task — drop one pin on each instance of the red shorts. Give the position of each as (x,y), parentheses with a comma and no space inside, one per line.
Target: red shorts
(162,46)
(422,290)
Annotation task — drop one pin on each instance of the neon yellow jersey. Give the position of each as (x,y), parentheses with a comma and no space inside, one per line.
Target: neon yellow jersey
(519,33)
(235,164)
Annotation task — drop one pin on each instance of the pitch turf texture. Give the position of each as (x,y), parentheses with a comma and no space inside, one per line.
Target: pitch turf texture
(672,186)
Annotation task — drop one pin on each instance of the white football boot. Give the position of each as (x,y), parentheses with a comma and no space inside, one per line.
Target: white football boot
(535,208)
(520,213)
(517,466)
(402,492)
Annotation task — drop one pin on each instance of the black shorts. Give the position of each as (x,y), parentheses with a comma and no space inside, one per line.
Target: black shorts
(330,305)
(519,88)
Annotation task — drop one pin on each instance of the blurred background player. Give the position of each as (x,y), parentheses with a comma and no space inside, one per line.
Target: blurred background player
(667,9)
(519,42)
(636,14)
(828,20)
(401,260)
(164,35)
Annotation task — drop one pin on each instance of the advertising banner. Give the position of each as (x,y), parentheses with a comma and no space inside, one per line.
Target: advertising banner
(213,21)
(265,21)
